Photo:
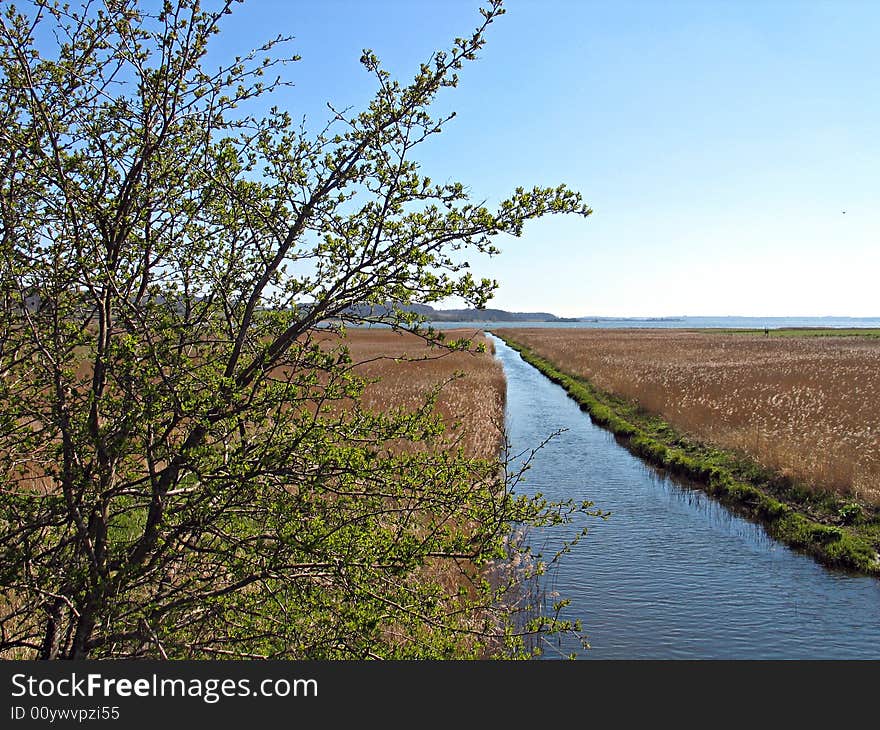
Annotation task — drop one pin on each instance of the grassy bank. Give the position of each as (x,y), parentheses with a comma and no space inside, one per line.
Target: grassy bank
(837,532)
(795,332)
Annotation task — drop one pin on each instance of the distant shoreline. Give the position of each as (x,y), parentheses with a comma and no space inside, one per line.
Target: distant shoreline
(691,323)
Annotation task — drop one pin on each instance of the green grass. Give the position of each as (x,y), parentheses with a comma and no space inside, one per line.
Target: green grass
(836,532)
(795,332)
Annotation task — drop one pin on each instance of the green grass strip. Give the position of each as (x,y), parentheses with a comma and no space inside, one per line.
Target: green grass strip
(792,332)
(792,514)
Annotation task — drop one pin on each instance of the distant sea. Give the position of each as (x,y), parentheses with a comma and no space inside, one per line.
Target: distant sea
(682,322)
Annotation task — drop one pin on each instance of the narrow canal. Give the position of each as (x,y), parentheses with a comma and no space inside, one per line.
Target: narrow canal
(671,574)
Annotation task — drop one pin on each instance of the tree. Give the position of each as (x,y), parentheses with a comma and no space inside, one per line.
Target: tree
(187,473)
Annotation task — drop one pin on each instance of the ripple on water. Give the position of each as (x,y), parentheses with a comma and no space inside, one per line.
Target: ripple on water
(672,573)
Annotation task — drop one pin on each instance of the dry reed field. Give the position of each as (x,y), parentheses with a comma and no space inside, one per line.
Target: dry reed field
(806,407)
(403,371)
(475,400)
(406,371)
(471,403)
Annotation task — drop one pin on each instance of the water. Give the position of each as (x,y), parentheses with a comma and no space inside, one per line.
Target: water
(672,574)
(683,322)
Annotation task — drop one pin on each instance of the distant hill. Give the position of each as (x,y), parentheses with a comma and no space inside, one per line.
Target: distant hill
(461,315)
(490,315)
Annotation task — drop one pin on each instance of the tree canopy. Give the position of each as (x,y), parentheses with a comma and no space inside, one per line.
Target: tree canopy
(186,471)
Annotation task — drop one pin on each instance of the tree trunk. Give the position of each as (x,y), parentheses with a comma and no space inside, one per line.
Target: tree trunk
(52,639)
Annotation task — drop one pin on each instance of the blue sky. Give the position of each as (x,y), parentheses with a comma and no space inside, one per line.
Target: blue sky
(718,142)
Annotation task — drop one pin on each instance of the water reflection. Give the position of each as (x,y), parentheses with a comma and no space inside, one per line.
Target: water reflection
(678,490)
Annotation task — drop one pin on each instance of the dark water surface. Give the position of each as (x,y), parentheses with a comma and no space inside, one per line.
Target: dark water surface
(672,574)
(681,323)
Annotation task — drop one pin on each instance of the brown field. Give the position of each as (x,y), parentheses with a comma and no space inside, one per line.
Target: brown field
(405,370)
(475,400)
(471,403)
(806,407)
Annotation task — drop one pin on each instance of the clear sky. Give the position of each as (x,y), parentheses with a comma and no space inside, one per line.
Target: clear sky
(718,142)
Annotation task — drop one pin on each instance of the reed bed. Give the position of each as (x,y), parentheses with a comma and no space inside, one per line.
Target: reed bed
(808,408)
(405,371)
